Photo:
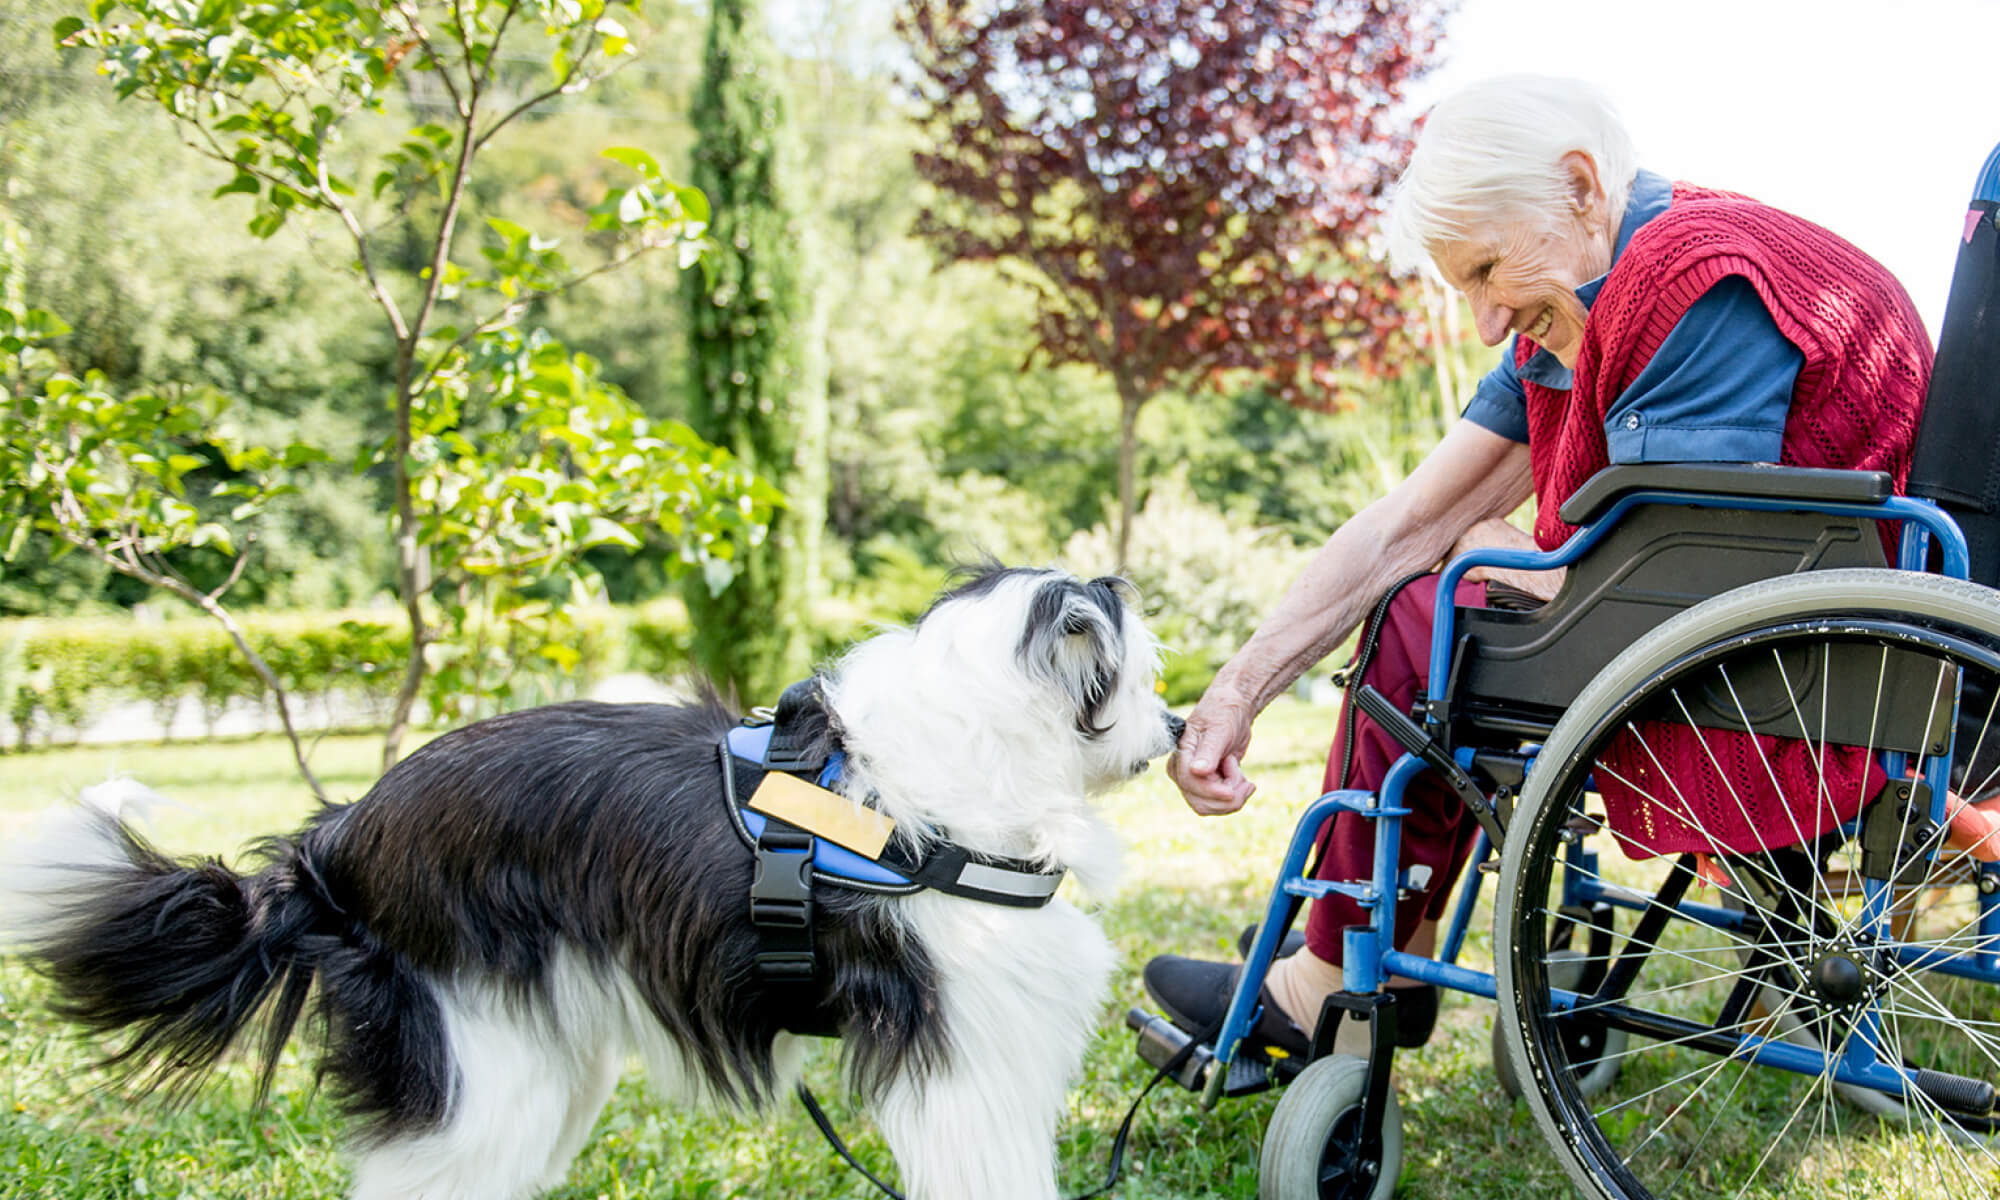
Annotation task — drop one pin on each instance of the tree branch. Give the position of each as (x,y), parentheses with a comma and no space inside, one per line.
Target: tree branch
(568,84)
(512,310)
(417,30)
(72,529)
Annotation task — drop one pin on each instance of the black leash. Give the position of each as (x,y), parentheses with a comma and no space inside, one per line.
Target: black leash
(1118,1143)
(826,1129)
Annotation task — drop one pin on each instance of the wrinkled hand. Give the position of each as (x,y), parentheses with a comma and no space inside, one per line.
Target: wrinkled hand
(1496,533)
(1208,766)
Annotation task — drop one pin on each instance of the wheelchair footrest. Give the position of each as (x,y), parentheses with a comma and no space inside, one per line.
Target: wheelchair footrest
(1160,1041)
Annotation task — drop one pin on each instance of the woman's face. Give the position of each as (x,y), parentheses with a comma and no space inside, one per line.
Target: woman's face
(1520,272)
(1522,278)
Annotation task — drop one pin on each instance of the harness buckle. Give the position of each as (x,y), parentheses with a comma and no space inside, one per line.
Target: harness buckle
(781,904)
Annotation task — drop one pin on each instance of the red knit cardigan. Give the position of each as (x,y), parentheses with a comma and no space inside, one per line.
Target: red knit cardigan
(1867,355)
(1669,788)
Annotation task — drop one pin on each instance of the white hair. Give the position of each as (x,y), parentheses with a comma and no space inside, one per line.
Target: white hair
(1494,150)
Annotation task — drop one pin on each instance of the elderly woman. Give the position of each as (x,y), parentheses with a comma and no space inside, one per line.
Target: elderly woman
(1650,321)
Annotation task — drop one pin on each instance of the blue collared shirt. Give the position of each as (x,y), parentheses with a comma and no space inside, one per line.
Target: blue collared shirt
(1717,390)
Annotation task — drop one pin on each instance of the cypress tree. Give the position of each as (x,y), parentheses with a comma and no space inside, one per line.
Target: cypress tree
(750,393)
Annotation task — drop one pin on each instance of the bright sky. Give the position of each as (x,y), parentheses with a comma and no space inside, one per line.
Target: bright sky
(1870,118)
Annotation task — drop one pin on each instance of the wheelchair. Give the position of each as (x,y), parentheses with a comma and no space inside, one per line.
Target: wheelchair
(1774,976)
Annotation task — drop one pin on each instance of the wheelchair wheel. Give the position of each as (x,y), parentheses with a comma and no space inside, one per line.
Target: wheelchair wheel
(1800,935)
(1591,1045)
(1311,1148)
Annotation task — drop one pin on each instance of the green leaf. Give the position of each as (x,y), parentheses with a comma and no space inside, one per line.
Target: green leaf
(640,161)
(604,532)
(244,182)
(41,323)
(693,203)
(16,539)
(298,455)
(717,574)
(211,534)
(65,27)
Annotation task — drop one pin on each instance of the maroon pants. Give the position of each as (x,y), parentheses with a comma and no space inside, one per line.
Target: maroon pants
(1440,830)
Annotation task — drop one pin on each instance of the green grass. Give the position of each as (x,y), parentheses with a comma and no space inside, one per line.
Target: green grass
(1191,884)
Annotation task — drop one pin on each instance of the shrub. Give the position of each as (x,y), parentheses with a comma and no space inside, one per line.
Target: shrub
(1207,578)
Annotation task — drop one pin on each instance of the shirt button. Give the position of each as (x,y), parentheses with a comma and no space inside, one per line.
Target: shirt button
(1632,422)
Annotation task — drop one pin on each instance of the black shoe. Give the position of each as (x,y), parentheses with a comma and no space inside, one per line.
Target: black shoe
(1294,941)
(1196,994)
(1417,1007)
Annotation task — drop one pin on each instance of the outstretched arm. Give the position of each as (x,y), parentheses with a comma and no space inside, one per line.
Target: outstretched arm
(1472,475)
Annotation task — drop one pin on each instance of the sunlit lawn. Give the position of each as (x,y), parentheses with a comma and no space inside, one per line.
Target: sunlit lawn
(1190,886)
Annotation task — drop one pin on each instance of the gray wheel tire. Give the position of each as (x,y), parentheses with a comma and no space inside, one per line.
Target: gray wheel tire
(1854,591)
(1288,1167)
(1565,971)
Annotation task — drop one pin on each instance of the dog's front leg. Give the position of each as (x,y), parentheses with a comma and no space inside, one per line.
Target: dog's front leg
(1020,992)
(970,1136)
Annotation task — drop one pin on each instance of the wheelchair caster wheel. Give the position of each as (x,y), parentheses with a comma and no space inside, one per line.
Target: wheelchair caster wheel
(1566,969)
(1310,1149)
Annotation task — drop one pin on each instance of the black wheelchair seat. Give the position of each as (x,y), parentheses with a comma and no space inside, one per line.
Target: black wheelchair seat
(1514,672)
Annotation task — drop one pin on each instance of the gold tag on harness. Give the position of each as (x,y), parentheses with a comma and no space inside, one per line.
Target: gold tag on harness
(826,814)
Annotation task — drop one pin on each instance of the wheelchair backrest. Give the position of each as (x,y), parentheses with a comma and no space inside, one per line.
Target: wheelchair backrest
(1955,462)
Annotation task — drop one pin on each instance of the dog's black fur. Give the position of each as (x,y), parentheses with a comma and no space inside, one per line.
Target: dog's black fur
(592,825)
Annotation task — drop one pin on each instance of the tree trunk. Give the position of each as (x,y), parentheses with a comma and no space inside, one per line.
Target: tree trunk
(411,576)
(1129,402)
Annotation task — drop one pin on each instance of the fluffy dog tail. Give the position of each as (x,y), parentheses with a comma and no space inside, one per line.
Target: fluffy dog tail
(182,955)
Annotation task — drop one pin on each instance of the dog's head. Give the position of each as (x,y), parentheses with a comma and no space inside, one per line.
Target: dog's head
(1015,696)
(1073,652)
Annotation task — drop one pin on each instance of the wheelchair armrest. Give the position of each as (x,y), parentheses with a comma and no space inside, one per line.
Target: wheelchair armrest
(1752,481)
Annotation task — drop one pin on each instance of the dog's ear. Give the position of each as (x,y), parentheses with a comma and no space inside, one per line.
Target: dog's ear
(1075,640)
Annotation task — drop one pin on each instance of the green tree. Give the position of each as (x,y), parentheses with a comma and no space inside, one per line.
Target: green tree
(749,360)
(507,455)
(107,474)
(160,294)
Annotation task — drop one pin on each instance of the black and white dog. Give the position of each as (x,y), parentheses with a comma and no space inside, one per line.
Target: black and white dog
(522,903)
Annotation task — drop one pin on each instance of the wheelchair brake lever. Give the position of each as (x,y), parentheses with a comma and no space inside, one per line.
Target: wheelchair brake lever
(1411,737)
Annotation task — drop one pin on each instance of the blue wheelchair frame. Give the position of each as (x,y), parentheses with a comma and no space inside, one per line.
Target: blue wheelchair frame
(1369,956)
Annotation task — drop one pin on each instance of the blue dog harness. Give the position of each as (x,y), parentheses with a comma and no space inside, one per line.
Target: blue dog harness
(795,853)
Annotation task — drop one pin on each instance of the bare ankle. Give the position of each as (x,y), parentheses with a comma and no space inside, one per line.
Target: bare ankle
(1300,983)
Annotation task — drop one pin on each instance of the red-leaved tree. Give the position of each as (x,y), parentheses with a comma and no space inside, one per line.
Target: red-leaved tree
(1189,185)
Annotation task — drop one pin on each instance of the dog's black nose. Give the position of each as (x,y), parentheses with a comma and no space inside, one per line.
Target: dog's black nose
(1175,727)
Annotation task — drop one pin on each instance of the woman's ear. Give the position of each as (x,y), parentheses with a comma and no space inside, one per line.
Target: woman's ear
(1586,190)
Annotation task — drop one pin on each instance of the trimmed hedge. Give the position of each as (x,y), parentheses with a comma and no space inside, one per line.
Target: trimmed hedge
(56,676)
